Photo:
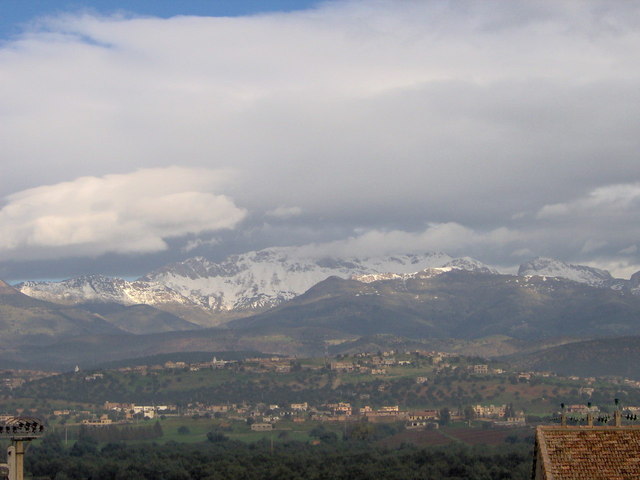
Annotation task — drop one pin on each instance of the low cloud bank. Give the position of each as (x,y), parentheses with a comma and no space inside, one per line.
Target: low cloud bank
(124,213)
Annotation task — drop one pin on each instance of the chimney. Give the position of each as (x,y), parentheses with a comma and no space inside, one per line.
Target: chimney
(617,417)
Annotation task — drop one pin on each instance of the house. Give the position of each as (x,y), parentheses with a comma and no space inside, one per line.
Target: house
(175,365)
(518,421)
(579,408)
(490,411)
(102,421)
(389,409)
(480,369)
(365,410)
(261,427)
(587,452)
(343,366)
(423,415)
(342,408)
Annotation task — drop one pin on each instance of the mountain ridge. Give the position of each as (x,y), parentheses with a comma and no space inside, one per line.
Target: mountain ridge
(197,289)
(241,284)
(192,294)
(458,304)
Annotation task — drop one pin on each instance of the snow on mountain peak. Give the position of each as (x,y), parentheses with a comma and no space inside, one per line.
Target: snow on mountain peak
(247,281)
(98,288)
(470,264)
(463,263)
(550,267)
(267,277)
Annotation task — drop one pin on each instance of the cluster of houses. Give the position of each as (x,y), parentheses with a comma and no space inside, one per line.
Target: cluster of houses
(266,417)
(170,365)
(345,412)
(263,417)
(12,379)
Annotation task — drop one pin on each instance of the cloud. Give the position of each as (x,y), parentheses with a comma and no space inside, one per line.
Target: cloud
(284,212)
(474,126)
(199,242)
(620,199)
(630,250)
(379,105)
(451,238)
(599,228)
(605,221)
(124,213)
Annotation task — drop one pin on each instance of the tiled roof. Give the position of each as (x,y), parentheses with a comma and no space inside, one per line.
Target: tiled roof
(594,453)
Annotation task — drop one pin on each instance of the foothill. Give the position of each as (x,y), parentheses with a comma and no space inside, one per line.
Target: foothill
(371,409)
(415,390)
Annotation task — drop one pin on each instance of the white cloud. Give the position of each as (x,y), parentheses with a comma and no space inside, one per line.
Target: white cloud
(451,238)
(608,200)
(592,245)
(124,213)
(630,250)
(525,253)
(382,116)
(199,242)
(381,103)
(284,212)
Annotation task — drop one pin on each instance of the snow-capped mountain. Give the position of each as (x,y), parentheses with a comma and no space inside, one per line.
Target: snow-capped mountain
(549,267)
(634,283)
(465,263)
(101,289)
(471,265)
(265,278)
(268,277)
(594,277)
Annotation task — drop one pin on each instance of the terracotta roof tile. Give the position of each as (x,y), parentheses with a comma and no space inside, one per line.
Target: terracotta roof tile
(579,453)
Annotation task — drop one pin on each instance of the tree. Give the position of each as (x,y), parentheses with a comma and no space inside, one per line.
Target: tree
(509,412)
(216,437)
(360,431)
(85,445)
(445,416)
(469,413)
(157,430)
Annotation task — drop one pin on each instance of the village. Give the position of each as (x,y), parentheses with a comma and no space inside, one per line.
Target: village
(369,376)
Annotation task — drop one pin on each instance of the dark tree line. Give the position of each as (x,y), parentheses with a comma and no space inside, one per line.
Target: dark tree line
(232,460)
(118,433)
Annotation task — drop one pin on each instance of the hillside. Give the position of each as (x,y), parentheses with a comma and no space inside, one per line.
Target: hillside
(91,350)
(455,304)
(139,319)
(25,319)
(600,357)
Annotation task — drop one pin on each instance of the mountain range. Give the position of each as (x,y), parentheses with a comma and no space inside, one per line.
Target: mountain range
(209,293)
(453,303)
(594,277)
(280,301)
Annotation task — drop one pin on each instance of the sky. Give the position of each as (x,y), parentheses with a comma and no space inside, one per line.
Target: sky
(134,134)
